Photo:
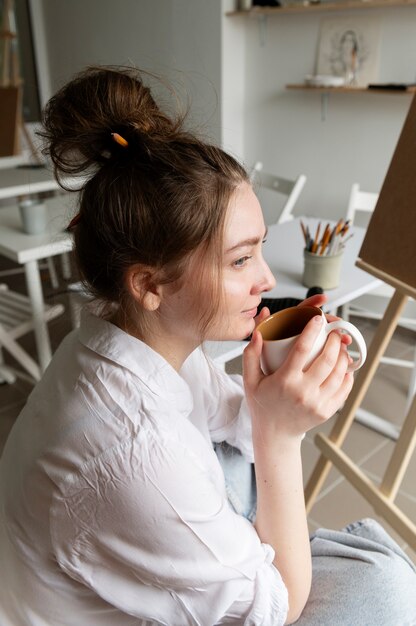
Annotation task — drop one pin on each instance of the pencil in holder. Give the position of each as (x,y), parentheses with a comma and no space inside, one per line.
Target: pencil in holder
(321,271)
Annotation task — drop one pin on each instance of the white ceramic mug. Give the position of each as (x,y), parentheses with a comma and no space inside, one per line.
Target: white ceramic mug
(34,216)
(280,331)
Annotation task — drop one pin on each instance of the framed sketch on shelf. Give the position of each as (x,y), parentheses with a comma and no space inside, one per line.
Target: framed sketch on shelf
(350,47)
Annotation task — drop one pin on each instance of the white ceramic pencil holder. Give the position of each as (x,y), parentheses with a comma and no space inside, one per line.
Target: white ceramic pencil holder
(321,270)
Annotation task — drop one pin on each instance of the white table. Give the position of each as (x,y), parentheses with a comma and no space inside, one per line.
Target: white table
(28,249)
(283,252)
(26,180)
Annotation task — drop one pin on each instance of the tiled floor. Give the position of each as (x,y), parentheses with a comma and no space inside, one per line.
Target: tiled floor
(338,503)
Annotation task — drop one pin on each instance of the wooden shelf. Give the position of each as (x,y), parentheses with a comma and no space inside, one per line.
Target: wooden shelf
(308,7)
(321,89)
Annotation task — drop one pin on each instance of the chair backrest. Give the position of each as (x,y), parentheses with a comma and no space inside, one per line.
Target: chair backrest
(16,319)
(285,186)
(360,201)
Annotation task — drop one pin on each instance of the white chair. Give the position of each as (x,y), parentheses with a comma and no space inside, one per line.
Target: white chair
(373,304)
(16,320)
(289,188)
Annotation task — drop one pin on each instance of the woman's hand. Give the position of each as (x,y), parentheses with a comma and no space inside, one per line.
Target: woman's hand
(319,300)
(293,399)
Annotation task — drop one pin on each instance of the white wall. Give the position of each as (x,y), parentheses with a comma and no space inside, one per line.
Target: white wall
(233,82)
(235,73)
(178,39)
(284,128)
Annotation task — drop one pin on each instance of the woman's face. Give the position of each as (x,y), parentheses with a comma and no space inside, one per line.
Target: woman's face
(245,274)
(244,277)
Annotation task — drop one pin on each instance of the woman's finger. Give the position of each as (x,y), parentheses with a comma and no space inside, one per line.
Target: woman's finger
(332,318)
(339,398)
(334,380)
(318,300)
(327,360)
(252,373)
(264,313)
(345,337)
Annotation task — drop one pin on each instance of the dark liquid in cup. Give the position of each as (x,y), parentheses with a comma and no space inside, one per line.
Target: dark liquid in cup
(287,323)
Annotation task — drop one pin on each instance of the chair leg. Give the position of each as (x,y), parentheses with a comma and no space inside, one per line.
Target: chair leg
(20,355)
(52,273)
(66,265)
(6,375)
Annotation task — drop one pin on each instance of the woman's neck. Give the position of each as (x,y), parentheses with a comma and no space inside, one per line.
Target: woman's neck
(173,348)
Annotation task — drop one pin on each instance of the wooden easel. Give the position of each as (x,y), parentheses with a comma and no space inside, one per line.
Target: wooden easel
(389,253)
(380,497)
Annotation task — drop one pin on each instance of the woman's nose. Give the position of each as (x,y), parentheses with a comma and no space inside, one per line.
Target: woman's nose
(267,281)
(270,279)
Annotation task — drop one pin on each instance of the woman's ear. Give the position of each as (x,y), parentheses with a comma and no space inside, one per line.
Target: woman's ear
(142,286)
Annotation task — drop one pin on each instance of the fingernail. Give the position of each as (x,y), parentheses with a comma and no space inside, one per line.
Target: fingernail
(318,319)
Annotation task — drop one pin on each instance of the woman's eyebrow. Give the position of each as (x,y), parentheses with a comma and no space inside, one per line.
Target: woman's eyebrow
(252,241)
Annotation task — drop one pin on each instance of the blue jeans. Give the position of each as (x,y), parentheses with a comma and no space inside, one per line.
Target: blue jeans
(240,480)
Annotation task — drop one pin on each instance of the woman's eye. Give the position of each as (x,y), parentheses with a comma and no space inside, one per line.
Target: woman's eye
(242,261)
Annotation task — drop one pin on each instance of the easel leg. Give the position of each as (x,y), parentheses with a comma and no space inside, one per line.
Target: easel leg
(401,456)
(382,504)
(344,421)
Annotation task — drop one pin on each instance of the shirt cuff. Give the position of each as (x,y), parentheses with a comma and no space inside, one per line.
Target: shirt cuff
(271,601)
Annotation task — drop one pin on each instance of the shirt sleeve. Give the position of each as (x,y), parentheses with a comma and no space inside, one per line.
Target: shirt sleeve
(220,398)
(147,526)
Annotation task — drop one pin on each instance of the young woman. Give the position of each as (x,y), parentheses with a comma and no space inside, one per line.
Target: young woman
(113,502)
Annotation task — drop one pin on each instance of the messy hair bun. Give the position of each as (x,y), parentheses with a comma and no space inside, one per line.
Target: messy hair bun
(98,101)
(150,201)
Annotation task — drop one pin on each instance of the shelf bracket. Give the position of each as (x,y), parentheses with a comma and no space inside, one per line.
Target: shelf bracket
(262,22)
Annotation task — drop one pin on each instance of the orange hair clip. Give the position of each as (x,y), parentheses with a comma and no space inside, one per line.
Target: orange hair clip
(120,140)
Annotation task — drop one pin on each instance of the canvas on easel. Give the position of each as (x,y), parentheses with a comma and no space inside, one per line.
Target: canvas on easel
(389,253)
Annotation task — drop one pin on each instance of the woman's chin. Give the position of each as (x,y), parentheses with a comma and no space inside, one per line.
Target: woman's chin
(239,331)
(242,333)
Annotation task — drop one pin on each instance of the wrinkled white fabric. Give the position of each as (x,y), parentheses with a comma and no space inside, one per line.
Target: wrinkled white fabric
(112,501)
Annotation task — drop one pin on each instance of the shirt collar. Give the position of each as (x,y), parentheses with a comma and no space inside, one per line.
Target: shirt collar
(113,343)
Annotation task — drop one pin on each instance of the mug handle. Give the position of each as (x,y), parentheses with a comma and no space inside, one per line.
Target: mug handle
(358,338)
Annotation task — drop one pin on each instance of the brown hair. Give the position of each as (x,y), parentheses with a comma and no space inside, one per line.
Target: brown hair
(151,202)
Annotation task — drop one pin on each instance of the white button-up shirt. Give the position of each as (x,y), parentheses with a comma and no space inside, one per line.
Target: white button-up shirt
(112,501)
